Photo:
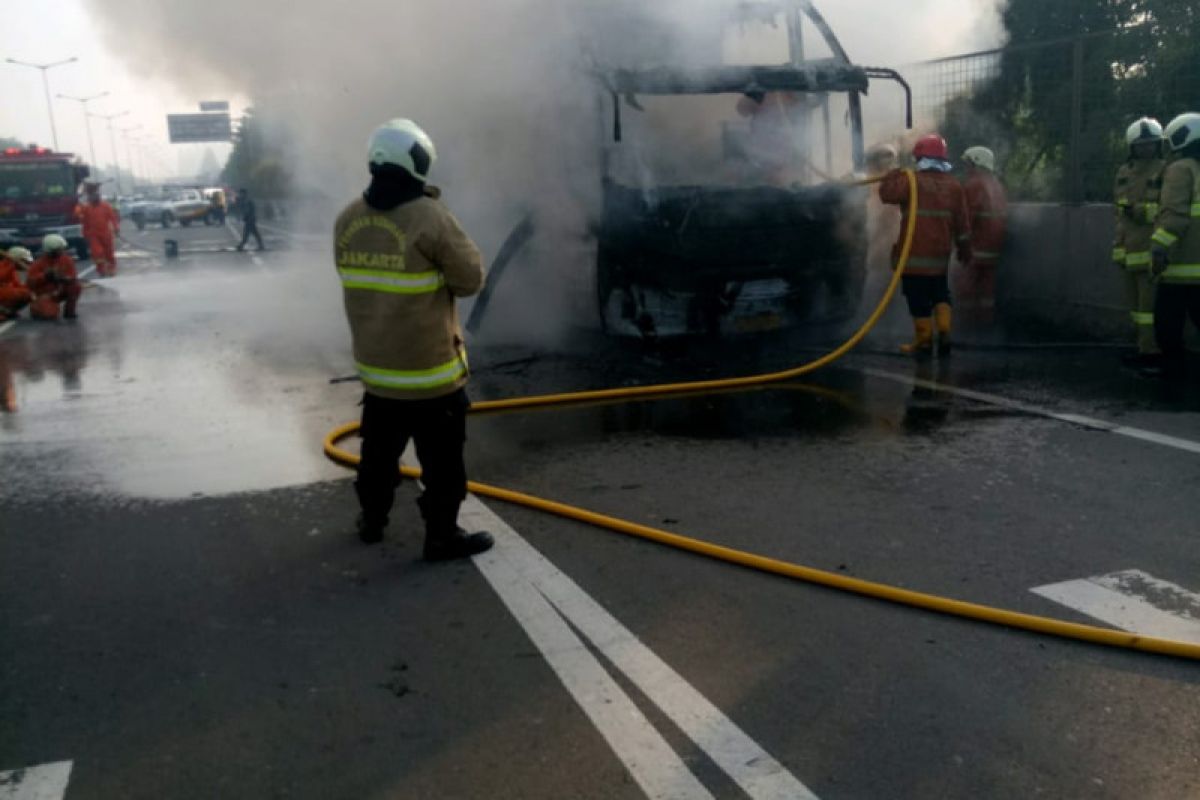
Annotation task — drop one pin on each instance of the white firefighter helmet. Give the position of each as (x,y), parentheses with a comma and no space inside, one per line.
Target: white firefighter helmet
(1146,130)
(53,243)
(402,143)
(20,255)
(980,157)
(1183,130)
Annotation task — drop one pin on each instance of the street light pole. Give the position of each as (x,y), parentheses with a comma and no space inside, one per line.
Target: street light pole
(112,140)
(46,88)
(87,118)
(129,154)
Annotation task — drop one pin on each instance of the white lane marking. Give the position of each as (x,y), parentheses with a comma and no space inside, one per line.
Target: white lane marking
(87,272)
(43,782)
(1075,419)
(751,767)
(658,770)
(1134,601)
(4,326)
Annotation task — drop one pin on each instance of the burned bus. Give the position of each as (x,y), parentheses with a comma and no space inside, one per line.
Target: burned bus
(716,217)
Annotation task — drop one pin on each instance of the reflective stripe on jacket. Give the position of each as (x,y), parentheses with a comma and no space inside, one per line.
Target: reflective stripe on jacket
(943,221)
(1178,224)
(401,271)
(1136,193)
(987,203)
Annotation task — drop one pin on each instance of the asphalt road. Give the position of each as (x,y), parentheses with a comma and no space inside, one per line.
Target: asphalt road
(185,612)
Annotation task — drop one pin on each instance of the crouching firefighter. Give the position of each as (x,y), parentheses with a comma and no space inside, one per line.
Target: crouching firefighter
(1175,248)
(1136,194)
(53,281)
(943,224)
(403,259)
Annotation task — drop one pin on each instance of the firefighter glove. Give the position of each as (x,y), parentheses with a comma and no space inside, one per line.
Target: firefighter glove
(1158,261)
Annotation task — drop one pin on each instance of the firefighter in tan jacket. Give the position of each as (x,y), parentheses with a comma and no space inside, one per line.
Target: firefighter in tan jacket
(1175,253)
(403,260)
(1139,181)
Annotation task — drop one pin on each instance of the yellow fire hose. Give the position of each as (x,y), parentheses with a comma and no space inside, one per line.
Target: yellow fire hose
(929,602)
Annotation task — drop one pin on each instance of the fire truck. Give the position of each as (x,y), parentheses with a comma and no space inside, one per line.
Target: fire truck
(39,190)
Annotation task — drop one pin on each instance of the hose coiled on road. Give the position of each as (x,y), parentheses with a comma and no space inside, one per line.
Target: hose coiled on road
(929,602)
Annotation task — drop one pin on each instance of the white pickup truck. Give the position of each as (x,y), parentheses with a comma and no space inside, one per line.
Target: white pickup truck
(190,206)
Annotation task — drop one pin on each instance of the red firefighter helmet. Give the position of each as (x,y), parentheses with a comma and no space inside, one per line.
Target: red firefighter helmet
(931,146)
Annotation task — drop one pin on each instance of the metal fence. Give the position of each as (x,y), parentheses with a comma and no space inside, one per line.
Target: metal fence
(1056,111)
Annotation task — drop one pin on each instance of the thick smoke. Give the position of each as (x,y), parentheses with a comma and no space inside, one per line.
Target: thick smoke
(505,87)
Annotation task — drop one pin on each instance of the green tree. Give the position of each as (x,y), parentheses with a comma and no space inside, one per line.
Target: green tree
(259,160)
(1125,58)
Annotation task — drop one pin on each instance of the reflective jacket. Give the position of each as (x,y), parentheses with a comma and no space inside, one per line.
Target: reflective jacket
(9,279)
(1178,223)
(98,219)
(987,203)
(943,221)
(401,271)
(1136,194)
(50,273)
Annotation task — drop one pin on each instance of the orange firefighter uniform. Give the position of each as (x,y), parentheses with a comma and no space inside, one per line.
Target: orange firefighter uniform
(101,224)
(53,281)
(943,225)
(975,286)
(13,295)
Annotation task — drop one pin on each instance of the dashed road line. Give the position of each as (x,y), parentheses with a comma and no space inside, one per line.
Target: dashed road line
(43,782)
(1134,601)
(1080,420)
(4,326)
(515,562)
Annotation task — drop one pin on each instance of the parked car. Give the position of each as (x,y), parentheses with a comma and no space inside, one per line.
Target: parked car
(190,206)
(150,210)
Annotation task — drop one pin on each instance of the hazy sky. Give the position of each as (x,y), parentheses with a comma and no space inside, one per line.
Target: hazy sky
(51,30)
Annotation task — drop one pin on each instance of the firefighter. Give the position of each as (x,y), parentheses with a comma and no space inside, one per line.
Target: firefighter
(1136,195)
(403,259)
(1175,246)
(943,225)
(987,203)
(13,294)
(101,223)
(53,281)
(249,214)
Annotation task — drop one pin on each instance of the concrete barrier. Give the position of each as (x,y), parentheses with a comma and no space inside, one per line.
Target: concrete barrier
(1057,280)
(1057,274)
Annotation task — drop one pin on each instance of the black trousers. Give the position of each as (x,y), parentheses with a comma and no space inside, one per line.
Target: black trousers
(1173,304)
(923,292)
(248,230)
(438,427)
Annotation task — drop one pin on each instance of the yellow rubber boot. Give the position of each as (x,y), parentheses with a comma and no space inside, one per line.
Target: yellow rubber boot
(923,340)
(945,318)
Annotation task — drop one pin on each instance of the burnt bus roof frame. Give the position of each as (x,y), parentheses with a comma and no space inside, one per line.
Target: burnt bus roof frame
(830,75)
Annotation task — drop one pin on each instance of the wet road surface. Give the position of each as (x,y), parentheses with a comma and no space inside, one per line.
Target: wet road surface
(185,612)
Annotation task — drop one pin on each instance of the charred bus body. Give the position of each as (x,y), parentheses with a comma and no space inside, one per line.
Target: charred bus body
(748,234)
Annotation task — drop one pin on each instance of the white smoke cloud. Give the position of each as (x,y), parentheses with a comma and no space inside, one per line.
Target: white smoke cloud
(501,85)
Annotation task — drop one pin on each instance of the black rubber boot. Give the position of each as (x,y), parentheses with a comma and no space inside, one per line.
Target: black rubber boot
(368,533)
(458,544)
(445,540)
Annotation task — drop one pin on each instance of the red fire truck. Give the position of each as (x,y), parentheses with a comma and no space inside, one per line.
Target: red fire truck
(38,193)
